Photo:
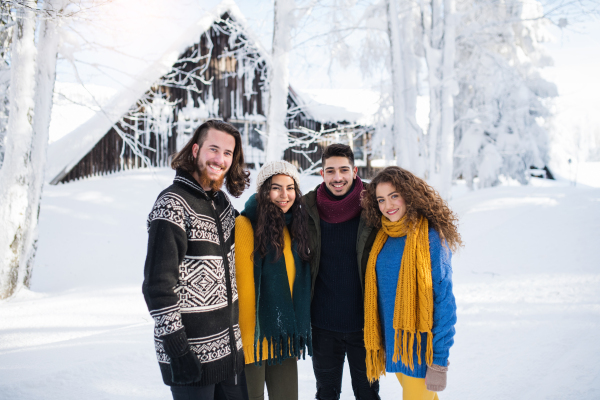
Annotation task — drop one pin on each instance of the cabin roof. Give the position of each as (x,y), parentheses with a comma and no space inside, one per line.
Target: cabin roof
(66,152)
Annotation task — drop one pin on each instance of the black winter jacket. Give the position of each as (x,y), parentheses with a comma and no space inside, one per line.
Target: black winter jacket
(189,278)
(364,241)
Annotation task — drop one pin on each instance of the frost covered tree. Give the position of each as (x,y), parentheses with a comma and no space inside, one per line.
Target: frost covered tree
(287,14)
(502,106)
(279,78)
(6,23)
(389,41)
(32,76)
(47,51)
(488,105)
(438,24)
(15,175)
(406,132)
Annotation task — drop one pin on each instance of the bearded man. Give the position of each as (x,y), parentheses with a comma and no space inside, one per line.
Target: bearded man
(189,276)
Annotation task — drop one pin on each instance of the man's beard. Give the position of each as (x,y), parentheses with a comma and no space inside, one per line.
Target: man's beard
(205,181)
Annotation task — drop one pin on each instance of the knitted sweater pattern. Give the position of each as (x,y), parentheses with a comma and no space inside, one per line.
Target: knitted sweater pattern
(444,308)
(189,278)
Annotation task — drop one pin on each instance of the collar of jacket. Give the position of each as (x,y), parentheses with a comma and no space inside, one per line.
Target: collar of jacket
(310,199)
(186,180)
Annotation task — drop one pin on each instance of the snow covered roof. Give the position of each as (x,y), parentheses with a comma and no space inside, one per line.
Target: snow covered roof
(322,112)
(66,152)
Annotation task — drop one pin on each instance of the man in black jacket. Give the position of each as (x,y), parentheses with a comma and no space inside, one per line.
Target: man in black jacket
(189,275)
(340,241)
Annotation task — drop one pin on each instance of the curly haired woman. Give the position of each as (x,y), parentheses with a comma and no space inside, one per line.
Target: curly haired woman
(273,278)
(410,310)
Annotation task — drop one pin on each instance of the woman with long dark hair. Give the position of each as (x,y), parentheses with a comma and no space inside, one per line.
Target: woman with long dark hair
(273,281)
(410,311)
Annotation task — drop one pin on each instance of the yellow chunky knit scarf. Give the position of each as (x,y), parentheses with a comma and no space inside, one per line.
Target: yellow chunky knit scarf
(413,309)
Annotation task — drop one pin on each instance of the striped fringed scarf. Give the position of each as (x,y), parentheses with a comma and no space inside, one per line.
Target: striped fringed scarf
(413,309)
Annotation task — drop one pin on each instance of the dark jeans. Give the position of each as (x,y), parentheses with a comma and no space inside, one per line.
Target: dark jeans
(281,380)
(224,390)
(329,351)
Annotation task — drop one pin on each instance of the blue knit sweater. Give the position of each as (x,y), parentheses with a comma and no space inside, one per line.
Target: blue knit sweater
(444,306)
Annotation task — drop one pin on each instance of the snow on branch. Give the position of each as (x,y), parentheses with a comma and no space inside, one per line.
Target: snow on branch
(250,59)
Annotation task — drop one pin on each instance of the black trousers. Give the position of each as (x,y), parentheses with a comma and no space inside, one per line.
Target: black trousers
(329,351)
(224,390)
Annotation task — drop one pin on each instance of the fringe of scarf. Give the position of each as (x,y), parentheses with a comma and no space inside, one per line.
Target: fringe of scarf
(413,307)
(282,347)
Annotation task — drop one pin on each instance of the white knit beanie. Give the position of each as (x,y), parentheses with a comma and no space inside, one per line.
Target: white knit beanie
(275,168)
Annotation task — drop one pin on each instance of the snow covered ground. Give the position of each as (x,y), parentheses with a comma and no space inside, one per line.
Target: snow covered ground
(527,285)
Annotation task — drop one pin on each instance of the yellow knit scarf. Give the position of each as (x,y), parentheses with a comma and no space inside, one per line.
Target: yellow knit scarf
(413,309)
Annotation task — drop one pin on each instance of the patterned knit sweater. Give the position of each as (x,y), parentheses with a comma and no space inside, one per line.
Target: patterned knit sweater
(444,306)
(244,260)
(189,278)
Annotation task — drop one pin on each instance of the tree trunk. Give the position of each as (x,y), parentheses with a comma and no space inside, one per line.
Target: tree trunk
(433,25)
(439,33)
(48,40)
(279,79)
(16,171)
(449,90)
(413,132)
(401,144)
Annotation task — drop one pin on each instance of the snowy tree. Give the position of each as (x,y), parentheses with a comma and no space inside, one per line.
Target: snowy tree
(15,175)
(32,76)
(439,31)
(288,16)
(279,79)
(48,43)
(502,105)
(6,23)
(389,41)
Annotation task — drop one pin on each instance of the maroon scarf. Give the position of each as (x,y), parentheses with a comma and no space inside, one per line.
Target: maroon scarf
(336,211)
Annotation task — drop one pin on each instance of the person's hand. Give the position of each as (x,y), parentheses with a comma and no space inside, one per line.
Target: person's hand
(186,368)
(185,365)
(435,379)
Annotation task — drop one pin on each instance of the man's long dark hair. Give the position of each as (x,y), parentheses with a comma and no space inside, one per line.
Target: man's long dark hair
(271,221)
(237,179)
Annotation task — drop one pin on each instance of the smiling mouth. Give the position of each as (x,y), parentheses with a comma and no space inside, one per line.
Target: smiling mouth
(392,212)
(338,185)
(282,203)
(215,168)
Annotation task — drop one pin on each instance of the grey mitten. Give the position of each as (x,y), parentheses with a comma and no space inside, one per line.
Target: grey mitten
(435,379)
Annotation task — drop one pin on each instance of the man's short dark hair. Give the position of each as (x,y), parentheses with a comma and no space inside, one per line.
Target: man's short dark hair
(337,150)
(237,178)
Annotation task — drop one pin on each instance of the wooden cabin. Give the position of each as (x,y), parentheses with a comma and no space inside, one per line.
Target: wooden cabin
(221,73)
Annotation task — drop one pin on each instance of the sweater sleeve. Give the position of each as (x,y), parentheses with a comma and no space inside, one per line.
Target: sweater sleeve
(167,246)
(444,307)
(244,275)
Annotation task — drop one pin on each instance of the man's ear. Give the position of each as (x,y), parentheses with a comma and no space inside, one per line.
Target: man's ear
(355,173)
(322,173)
(195,149)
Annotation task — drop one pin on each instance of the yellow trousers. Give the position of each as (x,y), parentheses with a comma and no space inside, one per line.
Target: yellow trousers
(415,389)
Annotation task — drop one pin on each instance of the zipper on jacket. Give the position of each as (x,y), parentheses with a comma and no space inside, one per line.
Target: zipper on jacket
(232,343)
